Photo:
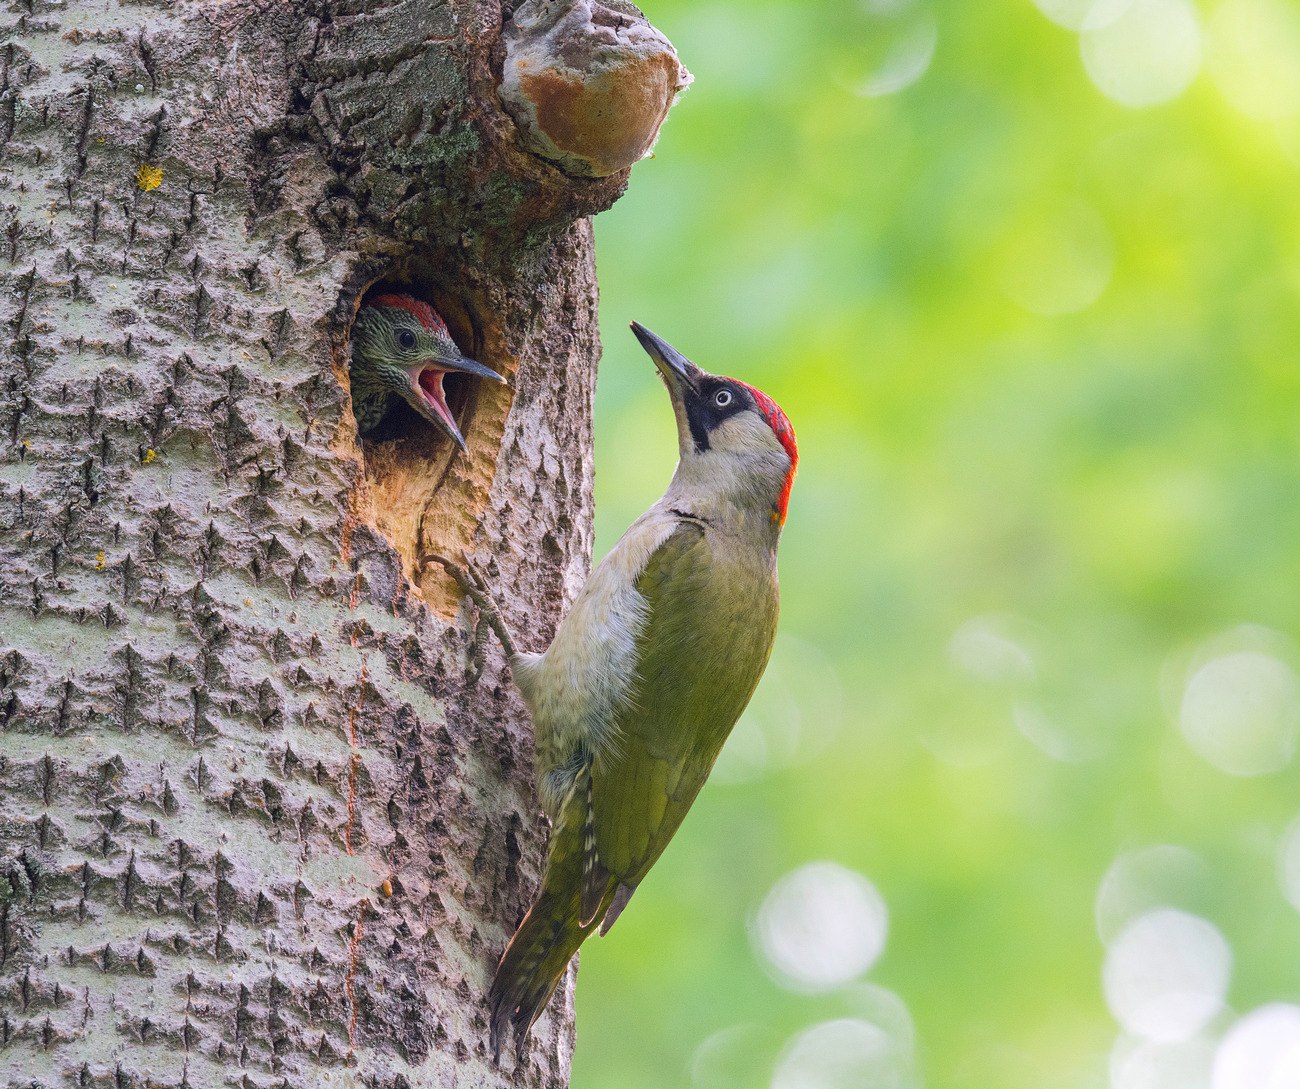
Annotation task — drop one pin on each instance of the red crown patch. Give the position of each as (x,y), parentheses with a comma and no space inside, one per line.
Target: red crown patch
(423,312)
(779,422)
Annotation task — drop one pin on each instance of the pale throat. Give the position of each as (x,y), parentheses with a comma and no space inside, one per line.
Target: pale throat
(733,494)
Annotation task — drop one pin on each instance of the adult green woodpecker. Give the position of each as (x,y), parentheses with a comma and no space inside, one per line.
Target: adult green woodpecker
(647,673)
(401,349)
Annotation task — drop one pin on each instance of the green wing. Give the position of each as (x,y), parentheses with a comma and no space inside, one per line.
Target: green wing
(711,621)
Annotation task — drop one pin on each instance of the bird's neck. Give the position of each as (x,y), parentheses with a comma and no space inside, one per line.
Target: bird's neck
(746,512)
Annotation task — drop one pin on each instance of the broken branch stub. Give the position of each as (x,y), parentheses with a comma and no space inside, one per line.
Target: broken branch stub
(589,83)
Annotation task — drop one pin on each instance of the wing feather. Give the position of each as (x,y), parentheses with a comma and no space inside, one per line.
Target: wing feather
(709,623)
(595,878)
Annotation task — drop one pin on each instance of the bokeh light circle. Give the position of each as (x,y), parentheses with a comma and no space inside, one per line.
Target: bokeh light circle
(884,1008)
(732,1057)
(1142,1064)
(986,648)
(1149,55)
(821,926)
(1261,1050)
(1239,712)
(1166,975)
(1076,14)
(1254,56)
(1288,864)
(795,714)
(907,60)
(848,1053)
(1059,262)
(1146,878)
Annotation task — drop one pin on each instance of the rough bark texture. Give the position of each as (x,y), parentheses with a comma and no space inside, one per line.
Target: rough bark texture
(255,830)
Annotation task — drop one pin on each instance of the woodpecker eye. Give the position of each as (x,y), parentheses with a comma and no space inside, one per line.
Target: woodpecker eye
(406,339)
(722,398)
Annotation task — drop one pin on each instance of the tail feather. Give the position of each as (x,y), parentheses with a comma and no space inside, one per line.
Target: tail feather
(532,967)
(557,923)
(622,894)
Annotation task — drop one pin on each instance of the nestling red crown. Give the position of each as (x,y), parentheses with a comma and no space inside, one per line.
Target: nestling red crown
(425,314)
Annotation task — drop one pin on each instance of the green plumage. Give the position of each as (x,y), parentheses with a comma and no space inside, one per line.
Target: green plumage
(712,622)
(647,673)
(711,619)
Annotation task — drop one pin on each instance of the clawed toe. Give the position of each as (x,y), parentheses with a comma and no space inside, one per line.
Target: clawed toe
(474,585)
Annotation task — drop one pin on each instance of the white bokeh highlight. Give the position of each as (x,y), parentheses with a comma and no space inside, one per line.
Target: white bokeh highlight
(728,1058)
(1058,262)
(884,1008)
(796,713)
(1288,864)
(1261,1050)
(849,1053)
(986,648)
(1166,975)
(821,926)
(1076,14)
(1254,56)
(1142,1064)
(1148,55)
(1240,711)
(1145,878)
(906,61)
(1047,735)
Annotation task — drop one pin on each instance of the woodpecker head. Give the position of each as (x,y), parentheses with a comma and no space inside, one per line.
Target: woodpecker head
(731,436)
(400,346)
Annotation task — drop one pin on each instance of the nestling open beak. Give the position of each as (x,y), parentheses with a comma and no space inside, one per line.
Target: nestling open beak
(679,373)
(428,397)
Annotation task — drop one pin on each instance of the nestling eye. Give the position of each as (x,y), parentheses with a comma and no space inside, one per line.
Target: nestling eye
(722,398)
(406,339)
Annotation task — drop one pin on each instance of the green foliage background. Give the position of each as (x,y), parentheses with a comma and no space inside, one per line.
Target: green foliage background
(1040,349)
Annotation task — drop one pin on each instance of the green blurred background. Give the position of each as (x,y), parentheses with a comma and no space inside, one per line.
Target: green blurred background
(1014,805)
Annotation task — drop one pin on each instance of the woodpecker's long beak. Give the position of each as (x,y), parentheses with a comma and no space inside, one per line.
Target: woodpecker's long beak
(679,373)
(462,364)
(428,397)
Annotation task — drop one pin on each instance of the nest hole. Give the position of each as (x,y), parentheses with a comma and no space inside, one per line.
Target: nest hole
(401,423)
(424,493)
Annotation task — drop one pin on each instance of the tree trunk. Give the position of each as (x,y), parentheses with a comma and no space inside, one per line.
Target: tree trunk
(256,829)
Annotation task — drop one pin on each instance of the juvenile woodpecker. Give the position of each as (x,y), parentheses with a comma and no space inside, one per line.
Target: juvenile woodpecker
(647,673)
(400,346)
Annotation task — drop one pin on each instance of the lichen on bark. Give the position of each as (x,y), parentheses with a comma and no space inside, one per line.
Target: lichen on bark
(255,830)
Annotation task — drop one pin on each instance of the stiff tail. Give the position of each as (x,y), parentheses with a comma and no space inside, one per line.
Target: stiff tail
(533,965)
(575,892)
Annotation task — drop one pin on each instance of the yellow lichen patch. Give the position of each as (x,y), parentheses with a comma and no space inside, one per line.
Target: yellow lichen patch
(149,455)
(148,176)
(101,561)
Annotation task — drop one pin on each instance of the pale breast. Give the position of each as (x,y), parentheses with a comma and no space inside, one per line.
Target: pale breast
(578,687)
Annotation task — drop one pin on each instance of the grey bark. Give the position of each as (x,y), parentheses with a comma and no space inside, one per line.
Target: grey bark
(255,829)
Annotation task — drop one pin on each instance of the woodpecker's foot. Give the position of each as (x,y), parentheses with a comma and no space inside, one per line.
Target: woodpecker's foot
(474,586)
(477,649)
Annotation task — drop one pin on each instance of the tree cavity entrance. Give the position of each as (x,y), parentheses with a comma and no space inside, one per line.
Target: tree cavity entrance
(423,492)
(382,413)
